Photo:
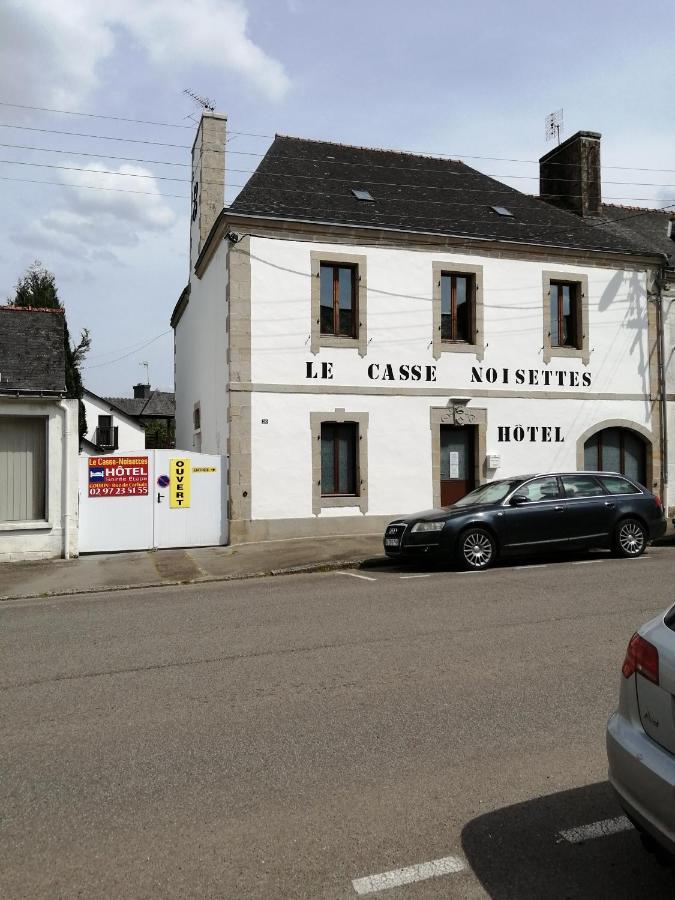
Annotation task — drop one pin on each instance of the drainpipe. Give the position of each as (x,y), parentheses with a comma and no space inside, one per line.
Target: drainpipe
(661,350)
(65,448)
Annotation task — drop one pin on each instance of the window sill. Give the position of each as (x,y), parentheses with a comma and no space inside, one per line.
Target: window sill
(340,500)
(460,347)
(35,525)
(581,353)
(331,340)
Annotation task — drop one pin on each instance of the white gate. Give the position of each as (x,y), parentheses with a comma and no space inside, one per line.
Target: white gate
(139,500)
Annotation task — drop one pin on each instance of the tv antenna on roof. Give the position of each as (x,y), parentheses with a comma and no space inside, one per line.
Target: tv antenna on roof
(147,371)
(204,102)
(554,125)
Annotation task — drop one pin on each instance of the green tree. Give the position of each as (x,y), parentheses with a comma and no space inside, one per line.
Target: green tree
(37,288)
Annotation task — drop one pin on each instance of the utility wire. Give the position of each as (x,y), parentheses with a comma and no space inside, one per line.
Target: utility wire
(151,162)
(69,112)
(570,227)
(99,137)
(435,188)
(131,353)
(323,178)
(89,187)
(468,234)
(439,156)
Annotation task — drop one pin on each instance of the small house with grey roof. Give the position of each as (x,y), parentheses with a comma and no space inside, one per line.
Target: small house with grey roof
(38,438)
(146,420)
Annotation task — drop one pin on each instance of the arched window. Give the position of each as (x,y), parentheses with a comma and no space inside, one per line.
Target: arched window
(617,450)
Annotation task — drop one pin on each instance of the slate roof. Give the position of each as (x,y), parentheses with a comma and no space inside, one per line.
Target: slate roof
(32,351)
(647,225)
(160,404)
(312,181)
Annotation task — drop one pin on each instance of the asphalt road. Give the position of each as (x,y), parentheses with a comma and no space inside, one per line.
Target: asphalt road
(286,737)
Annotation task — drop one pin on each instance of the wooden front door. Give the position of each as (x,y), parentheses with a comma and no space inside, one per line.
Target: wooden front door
(457,462)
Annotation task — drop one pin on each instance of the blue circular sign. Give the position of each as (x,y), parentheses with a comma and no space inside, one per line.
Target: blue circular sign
(163,481)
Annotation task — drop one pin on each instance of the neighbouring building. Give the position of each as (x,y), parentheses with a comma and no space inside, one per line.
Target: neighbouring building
(367,333)
(128,423)
(38,438)
(657,226)
(109,428)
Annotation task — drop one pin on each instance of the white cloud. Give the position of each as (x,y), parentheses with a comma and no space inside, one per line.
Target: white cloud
(89,223)
(115,195)
(51,52)
(204,32)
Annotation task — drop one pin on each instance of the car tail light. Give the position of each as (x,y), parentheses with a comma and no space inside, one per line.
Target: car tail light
(642,657)
(659,504)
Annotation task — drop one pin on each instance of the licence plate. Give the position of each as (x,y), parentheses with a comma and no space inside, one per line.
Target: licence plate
(391,542)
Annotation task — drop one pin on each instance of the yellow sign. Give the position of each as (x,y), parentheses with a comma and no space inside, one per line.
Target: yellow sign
(204,469)
(179,483)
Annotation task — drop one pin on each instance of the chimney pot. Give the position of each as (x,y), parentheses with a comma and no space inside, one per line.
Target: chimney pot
(141,391)
(569,175)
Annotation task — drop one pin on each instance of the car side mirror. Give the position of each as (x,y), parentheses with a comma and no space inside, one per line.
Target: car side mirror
(518,500)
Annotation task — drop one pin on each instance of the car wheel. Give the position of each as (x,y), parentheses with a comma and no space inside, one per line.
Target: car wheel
(630,538)
(477,549)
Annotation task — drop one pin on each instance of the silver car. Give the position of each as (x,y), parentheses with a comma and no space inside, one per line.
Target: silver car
(641,734)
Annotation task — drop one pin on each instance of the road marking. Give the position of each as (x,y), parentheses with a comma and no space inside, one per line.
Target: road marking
(596,830)
(533,566)
(417,576)
(587,562)
(447,865)
(354,575)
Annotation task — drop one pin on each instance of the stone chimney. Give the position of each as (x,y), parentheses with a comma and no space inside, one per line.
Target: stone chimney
(569,175)
(208,179)
(141,391)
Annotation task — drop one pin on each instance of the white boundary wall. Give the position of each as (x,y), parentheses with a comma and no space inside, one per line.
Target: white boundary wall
(110,523)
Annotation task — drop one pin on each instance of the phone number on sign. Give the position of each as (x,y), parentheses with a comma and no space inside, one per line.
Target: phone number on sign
(138,490)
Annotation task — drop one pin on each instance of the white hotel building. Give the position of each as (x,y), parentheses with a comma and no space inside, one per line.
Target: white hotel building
(368,333)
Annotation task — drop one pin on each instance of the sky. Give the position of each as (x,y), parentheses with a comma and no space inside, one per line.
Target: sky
(466,79)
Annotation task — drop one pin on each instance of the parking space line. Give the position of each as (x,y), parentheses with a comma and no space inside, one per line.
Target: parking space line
(587,562)
(447,865)
(426,575)
(596,830)
(532,566)
(354,575)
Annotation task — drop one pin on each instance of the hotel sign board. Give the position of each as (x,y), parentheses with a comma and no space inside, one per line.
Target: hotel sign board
(118,476)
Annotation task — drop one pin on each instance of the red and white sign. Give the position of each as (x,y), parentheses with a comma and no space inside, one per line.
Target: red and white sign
(118,476)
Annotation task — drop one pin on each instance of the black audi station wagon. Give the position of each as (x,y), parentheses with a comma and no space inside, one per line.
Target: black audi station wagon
(533,512)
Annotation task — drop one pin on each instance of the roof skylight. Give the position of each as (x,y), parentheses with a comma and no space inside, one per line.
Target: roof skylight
(502,211)
(362,195)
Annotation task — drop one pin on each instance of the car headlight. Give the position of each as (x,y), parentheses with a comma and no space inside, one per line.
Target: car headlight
(428,526)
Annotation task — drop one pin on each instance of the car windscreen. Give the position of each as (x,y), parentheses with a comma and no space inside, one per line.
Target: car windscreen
(489,493)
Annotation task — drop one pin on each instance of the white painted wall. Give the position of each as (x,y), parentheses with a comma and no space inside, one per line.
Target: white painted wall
(201,370)
(400,318)
(58,534)
(400,284)
(129,434)
(399,446)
